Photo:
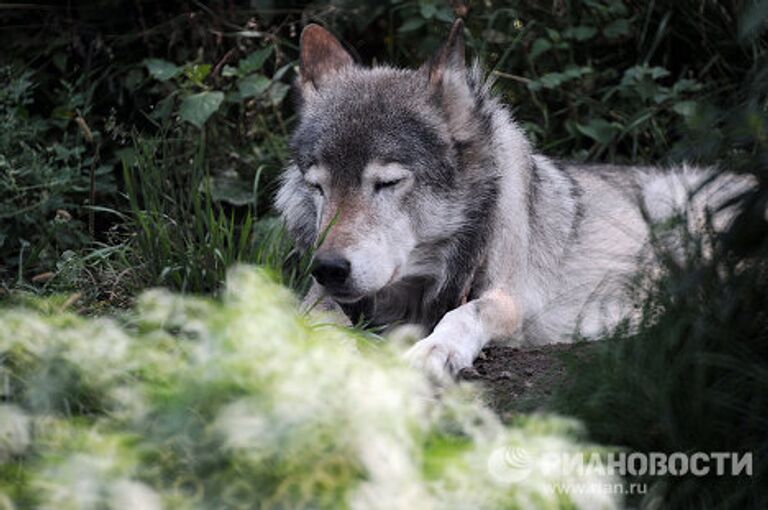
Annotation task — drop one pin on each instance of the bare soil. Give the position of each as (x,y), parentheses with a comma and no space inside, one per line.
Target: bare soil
(524,379)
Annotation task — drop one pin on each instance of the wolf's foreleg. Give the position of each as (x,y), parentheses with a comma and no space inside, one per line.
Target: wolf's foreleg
(462,333)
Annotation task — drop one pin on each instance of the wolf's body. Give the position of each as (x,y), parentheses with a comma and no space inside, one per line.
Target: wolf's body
(438,211)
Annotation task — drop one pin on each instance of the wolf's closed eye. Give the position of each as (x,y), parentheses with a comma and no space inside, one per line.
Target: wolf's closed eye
(383,185)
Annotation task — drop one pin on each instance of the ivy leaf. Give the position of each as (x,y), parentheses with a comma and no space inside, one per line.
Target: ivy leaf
(161,70)
(253,85)
(197,108)
(278,92)
(254,61)
(600,130)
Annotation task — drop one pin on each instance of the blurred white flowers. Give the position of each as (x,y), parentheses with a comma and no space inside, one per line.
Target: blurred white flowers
(193,403)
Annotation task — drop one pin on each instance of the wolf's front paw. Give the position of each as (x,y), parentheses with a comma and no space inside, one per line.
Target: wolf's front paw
(440,357)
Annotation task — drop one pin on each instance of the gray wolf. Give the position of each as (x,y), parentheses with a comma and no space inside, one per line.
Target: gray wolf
(428,205)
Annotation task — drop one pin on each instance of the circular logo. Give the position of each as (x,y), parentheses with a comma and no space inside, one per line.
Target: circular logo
(510,465)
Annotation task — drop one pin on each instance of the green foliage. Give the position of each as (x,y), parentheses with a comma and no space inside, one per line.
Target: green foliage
(65,150)
(44,186)
(596,79)
(244,404)
(693,375)
(199,100)
(186,237)
(589,79)
(693,378)
(196,108)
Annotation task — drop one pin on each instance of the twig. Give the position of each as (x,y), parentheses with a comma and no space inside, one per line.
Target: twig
(519,79)
(223,61)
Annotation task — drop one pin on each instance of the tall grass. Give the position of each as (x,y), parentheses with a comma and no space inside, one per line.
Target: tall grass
(693,376)
(186,240)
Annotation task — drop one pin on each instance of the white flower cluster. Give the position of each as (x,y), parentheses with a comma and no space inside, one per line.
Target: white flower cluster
(244,403)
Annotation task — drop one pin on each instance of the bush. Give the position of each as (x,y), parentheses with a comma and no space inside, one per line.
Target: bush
(44,182)
(191,226)
(242,403)
(693,376)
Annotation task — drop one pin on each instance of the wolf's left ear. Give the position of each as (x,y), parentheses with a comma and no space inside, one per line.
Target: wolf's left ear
(450,57)
(321,54)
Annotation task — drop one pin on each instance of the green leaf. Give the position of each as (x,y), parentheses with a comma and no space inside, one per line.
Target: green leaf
(685,85)
(228,71)
(411,24)
(163,109)
(228,188)
(161,70)
(277,92)
(599,130)
(573,72)
(580,33)
(445,13)
(540,46)
(197,73)
(551,80)
(428,10)
(197,108)
(133,79)
(685,108)
(253,85)
(254,61)
(553,34)
(637,74)
(617,28)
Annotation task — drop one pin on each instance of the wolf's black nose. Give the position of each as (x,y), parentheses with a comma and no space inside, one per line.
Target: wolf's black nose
(331,270)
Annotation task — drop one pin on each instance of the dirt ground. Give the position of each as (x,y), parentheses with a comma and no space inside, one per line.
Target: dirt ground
(523,379)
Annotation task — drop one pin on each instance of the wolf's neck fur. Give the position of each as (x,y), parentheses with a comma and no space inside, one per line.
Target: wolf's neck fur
(539,211)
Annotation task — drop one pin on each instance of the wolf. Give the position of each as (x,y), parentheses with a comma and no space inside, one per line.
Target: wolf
(427,205)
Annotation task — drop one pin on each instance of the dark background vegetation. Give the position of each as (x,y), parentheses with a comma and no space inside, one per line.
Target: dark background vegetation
(141,141)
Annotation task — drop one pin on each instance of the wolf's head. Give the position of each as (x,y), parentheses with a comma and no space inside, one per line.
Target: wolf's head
(389,166)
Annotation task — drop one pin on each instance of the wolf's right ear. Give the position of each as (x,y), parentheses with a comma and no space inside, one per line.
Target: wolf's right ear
(450,57)
(321,54)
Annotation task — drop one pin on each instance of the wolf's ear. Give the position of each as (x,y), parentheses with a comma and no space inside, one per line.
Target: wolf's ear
(450,57)
(448,82)
(321,54)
